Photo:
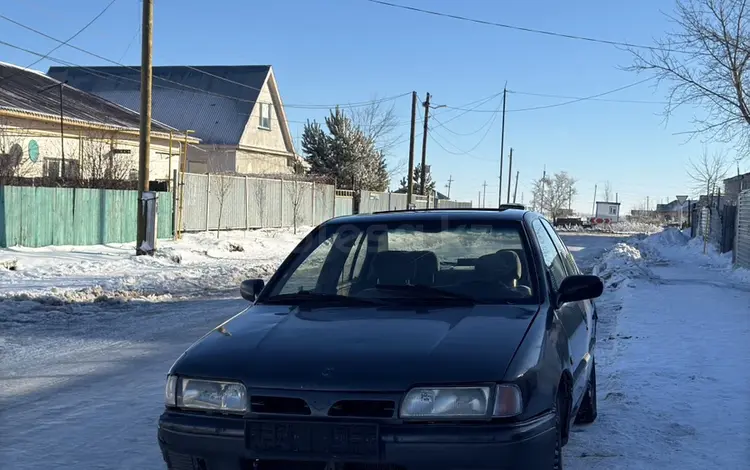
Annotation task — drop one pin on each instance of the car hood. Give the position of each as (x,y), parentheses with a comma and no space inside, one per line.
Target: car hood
(359,348)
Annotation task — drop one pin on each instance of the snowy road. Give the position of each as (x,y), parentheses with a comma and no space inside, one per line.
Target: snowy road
(86,393)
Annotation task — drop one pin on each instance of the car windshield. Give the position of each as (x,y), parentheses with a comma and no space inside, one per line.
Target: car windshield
(421,262)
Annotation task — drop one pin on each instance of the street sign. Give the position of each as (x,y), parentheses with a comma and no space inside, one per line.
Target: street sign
(681,199)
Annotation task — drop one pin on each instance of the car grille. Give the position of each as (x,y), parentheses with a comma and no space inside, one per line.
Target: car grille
(279,405)
(361,408)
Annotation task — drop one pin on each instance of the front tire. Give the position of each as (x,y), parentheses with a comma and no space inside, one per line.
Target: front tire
(587,413)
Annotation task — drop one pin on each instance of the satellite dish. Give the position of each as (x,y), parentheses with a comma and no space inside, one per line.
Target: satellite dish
(15,154)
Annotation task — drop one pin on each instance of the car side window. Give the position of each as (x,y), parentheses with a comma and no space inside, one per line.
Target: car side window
(552,259)
(570,265)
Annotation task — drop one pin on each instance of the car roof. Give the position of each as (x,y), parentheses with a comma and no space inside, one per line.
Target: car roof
(433,214)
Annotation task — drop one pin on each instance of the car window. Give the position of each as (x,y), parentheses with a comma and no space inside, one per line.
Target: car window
(483,262)
(306,275)
(570,264)
(552,259)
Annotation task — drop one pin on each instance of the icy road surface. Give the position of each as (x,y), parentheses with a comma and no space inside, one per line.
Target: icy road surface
(86,393)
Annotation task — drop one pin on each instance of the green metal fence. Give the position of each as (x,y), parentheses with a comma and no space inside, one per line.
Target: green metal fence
(34,217)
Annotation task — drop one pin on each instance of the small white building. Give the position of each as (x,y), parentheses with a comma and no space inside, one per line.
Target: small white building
(606,212)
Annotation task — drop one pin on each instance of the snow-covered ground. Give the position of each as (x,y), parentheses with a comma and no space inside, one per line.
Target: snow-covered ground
(84,391)
(54,283)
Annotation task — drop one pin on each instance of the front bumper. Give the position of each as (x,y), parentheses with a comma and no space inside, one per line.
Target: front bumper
(201,442)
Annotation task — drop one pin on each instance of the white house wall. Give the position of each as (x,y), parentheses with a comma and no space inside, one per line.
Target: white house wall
(47,137)
(255,136)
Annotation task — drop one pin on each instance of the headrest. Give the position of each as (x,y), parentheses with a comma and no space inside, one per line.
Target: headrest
(405,267)
(504,264)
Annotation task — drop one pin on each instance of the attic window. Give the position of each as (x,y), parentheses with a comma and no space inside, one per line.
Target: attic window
(265,116)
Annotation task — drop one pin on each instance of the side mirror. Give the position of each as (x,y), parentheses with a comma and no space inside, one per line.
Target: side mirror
(579,287)
(250,289)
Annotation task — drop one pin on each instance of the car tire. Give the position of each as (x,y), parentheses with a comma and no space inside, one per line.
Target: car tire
(587,413)
(560,406)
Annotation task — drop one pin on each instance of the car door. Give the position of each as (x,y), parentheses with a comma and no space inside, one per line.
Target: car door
(587,307)
(569,314)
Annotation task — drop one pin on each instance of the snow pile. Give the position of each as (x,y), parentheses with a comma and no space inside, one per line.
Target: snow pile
(622,264)
(617,227)
(198,265)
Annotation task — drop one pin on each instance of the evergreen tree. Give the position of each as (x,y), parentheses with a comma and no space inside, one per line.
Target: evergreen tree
(417,180)
(345,153)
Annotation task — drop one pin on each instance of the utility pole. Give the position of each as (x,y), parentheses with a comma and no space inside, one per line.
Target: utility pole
(515,190)
(424,146)
(570,197)
(62,129)
(484,194)
(144,146)
(502,150)
(648,204)
(479,199)
(541,199)
(450,180)
(412,137)
(510,173)
(593,207)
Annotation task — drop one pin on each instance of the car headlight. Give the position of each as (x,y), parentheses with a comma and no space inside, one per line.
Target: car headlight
(198,394)
(461,402)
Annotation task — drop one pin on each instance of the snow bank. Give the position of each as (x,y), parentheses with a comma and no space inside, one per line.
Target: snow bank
(621,265)
(200,264)
(618,227)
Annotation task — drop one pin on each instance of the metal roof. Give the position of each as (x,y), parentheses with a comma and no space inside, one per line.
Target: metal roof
(21,90)
(217,109)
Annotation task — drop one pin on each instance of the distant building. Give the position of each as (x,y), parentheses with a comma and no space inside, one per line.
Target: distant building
(607,211)
(236,111)
(98,140)
(674,211)
(736,184)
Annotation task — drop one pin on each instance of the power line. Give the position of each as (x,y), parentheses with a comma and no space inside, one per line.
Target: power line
(62,43)
(565,97)
(103,74)
(576,100)
(524,29)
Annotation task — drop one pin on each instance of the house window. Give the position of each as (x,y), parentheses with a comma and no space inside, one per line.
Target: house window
(265,116)
(612,210)
(53,168)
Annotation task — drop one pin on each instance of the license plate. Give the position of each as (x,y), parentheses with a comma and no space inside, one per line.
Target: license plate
(313,440)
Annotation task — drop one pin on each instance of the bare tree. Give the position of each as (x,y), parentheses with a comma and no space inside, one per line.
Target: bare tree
(296,192)
(100,163)
(708,172)
(608,191)
(378,122)
(553,194)
(223,189)
(705,62)
(260,191)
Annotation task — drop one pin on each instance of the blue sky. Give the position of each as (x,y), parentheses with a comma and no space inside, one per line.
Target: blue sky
(343,51)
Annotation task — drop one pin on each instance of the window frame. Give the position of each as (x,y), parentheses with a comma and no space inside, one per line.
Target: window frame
(568,261)
(554,283)
(267,107)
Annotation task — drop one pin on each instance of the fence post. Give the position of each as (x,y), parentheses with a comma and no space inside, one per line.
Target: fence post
(247,204)
(333,211)
(208,198)
(174,204)
(313,205)
(281,209)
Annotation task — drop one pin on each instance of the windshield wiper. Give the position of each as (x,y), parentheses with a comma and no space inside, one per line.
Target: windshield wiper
(425,292)
(309,296)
